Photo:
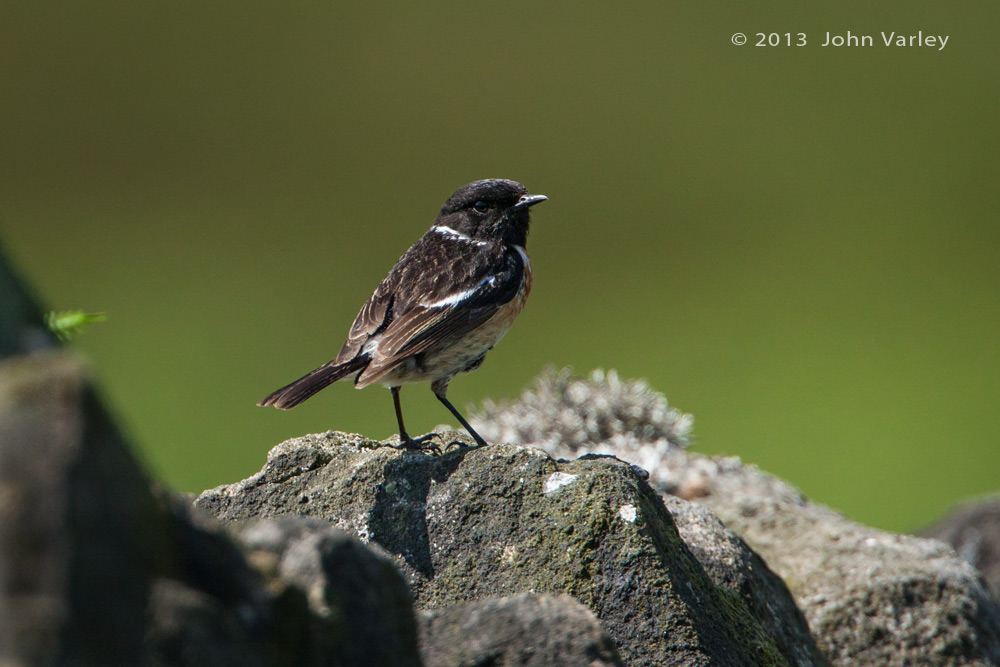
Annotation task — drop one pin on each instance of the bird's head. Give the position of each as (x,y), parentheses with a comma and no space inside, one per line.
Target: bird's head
(490,210)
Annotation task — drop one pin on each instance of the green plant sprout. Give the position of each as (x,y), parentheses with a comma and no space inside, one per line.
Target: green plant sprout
(69,323)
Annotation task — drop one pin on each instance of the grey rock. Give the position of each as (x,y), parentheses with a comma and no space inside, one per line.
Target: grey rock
(870,597)
(98,568)
(501,520)
(212,606)
(193,628)
(973,531)
(570,416)
(736,568)
(354,588)
(525,629)
(80,531)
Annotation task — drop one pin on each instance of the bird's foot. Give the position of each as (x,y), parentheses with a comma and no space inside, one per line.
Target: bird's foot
(421,444)
(465,444)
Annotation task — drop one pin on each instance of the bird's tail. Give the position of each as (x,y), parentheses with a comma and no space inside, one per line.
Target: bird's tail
(292,394)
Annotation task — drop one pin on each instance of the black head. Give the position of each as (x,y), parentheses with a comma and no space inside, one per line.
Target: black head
(491,210)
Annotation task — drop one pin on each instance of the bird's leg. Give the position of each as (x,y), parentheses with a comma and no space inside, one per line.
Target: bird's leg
(405,441)
(440,388)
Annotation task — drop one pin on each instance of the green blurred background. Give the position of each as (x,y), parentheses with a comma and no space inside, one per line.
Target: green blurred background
(800,246)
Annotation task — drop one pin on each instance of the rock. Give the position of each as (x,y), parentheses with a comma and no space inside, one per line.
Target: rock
(563,414)
(524,629)
(502,520)
(355,588)
(211,606)
(736,568)
(193,628)
(99,569)
(602,414)
(870,597)
(80,528)
(973,530)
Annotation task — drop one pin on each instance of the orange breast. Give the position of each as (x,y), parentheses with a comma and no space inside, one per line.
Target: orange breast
(494,329)
(453,356)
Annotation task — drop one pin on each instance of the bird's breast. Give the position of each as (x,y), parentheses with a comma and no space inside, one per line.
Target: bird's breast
(507,313)
(481,339)
(464,353)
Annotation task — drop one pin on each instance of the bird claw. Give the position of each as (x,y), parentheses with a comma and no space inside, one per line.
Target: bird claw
(424,444)
(463,445)
(420,444)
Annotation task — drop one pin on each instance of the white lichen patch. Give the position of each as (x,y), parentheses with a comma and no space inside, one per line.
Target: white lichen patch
(569,416)
(627,512)
(362,531)
(556,481)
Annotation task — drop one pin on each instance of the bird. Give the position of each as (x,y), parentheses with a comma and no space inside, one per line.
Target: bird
(447,302)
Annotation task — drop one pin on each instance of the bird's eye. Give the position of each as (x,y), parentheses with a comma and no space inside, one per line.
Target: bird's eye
(480,206)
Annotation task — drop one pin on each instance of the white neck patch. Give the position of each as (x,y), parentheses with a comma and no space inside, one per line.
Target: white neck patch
(458,236)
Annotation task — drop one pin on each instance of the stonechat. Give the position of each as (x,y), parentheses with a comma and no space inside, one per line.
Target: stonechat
(448,300)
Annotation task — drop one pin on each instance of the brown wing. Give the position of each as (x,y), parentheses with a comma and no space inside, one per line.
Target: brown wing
(448,288)
(374,316)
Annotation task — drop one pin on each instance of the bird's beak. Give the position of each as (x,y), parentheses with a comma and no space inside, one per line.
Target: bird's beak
(529,200)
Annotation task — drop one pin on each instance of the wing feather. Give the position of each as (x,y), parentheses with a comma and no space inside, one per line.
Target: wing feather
(373,317)
(481,281)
